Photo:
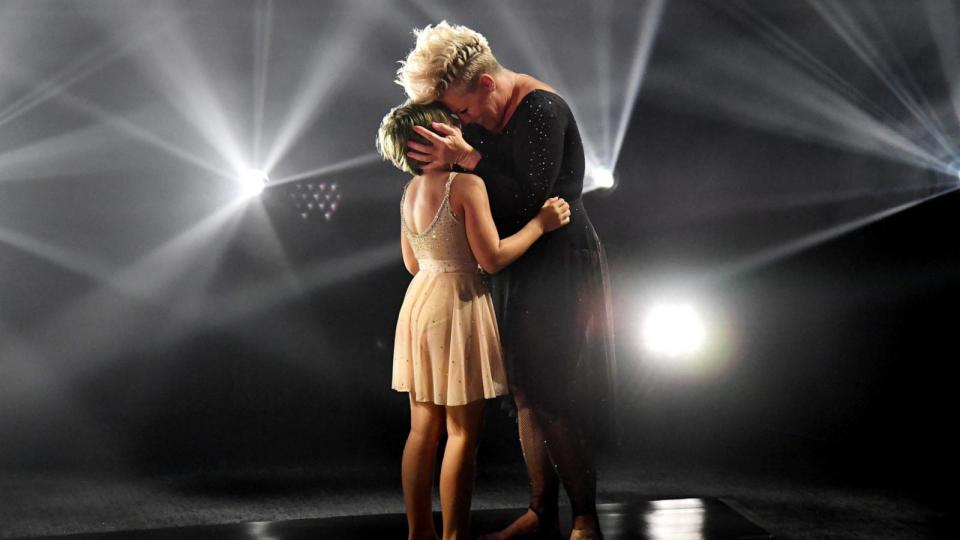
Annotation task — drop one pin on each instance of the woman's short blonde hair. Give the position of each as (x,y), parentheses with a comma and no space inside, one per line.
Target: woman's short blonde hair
(445,57)
(397,128)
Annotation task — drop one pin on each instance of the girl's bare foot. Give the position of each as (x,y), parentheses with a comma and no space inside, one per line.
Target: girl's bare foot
(528,526)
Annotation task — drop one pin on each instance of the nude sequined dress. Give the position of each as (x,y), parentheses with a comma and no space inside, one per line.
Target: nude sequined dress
(447,345)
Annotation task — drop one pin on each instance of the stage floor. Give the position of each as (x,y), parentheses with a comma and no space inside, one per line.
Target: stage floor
(675,519)
(640,498)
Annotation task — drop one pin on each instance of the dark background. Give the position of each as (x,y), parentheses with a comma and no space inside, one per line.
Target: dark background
(832,353)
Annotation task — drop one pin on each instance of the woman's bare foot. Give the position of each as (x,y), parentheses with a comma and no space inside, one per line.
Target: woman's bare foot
(428,536)
(586,528)
(528,526)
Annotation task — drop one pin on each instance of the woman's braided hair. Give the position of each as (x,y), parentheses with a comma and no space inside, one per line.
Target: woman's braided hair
(445,57)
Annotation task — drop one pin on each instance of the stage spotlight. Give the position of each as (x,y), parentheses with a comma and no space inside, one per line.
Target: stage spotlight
(599,176)
(673,330)
(252,182)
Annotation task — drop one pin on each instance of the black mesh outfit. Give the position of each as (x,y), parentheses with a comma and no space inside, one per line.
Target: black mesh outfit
(553,304)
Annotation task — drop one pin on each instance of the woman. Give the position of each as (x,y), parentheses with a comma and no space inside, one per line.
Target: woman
(553,305)
(447,351)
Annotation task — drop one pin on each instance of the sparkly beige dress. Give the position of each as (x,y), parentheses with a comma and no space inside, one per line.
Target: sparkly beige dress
(447,346)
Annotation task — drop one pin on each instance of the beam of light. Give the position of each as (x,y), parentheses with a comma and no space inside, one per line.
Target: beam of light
(649,23)
(780,252)
(58,83)
(809,100)
(818,71)
(150,281)
(189,91)
(240,305)
(603,114)
(944,18)
(331,57)
(263,33)
(123,124)
(187,293)
(533,45)
(57,87)
(86,341)
(780,41)
(603,60)
(191,295)
(599,176)
(173,277)
(602,107)
(801,106)
(175,68)
(78,263)
(852,33)
(136,130)
(350,163)
(57,155)
(794,201)
(88,64)
(152,276)
(537,51)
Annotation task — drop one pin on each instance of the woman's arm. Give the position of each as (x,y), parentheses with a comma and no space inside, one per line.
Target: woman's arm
(409,259)
(492,252)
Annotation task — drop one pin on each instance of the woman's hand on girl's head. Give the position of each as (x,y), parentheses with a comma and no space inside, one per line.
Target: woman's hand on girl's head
(443,150)
(554,213)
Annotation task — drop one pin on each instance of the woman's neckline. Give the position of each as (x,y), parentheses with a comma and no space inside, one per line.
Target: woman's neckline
(513,115)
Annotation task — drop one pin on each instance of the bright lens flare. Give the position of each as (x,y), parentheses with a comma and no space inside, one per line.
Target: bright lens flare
(673,330)
(252,182)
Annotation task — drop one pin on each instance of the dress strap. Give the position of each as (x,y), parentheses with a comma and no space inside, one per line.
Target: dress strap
(446,193)
(403,198)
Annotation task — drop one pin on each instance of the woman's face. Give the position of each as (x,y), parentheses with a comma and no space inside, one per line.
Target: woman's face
(474,107)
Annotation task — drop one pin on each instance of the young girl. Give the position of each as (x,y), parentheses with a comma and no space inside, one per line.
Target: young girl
(447,348)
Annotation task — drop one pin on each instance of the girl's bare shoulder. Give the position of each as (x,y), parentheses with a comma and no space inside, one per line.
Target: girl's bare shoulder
(465,181)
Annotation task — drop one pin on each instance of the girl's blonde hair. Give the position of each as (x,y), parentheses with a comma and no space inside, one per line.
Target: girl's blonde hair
(396,129)
(445,57)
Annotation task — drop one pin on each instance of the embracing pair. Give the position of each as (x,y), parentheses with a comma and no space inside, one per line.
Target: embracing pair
(498,169)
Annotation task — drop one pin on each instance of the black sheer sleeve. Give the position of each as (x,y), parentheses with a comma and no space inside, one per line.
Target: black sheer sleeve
(538,133)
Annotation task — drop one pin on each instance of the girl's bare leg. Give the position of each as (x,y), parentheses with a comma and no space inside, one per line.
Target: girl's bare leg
(458,472)
(419,456)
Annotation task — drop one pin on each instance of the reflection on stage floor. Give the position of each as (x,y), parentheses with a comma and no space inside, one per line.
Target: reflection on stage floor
(668,519)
